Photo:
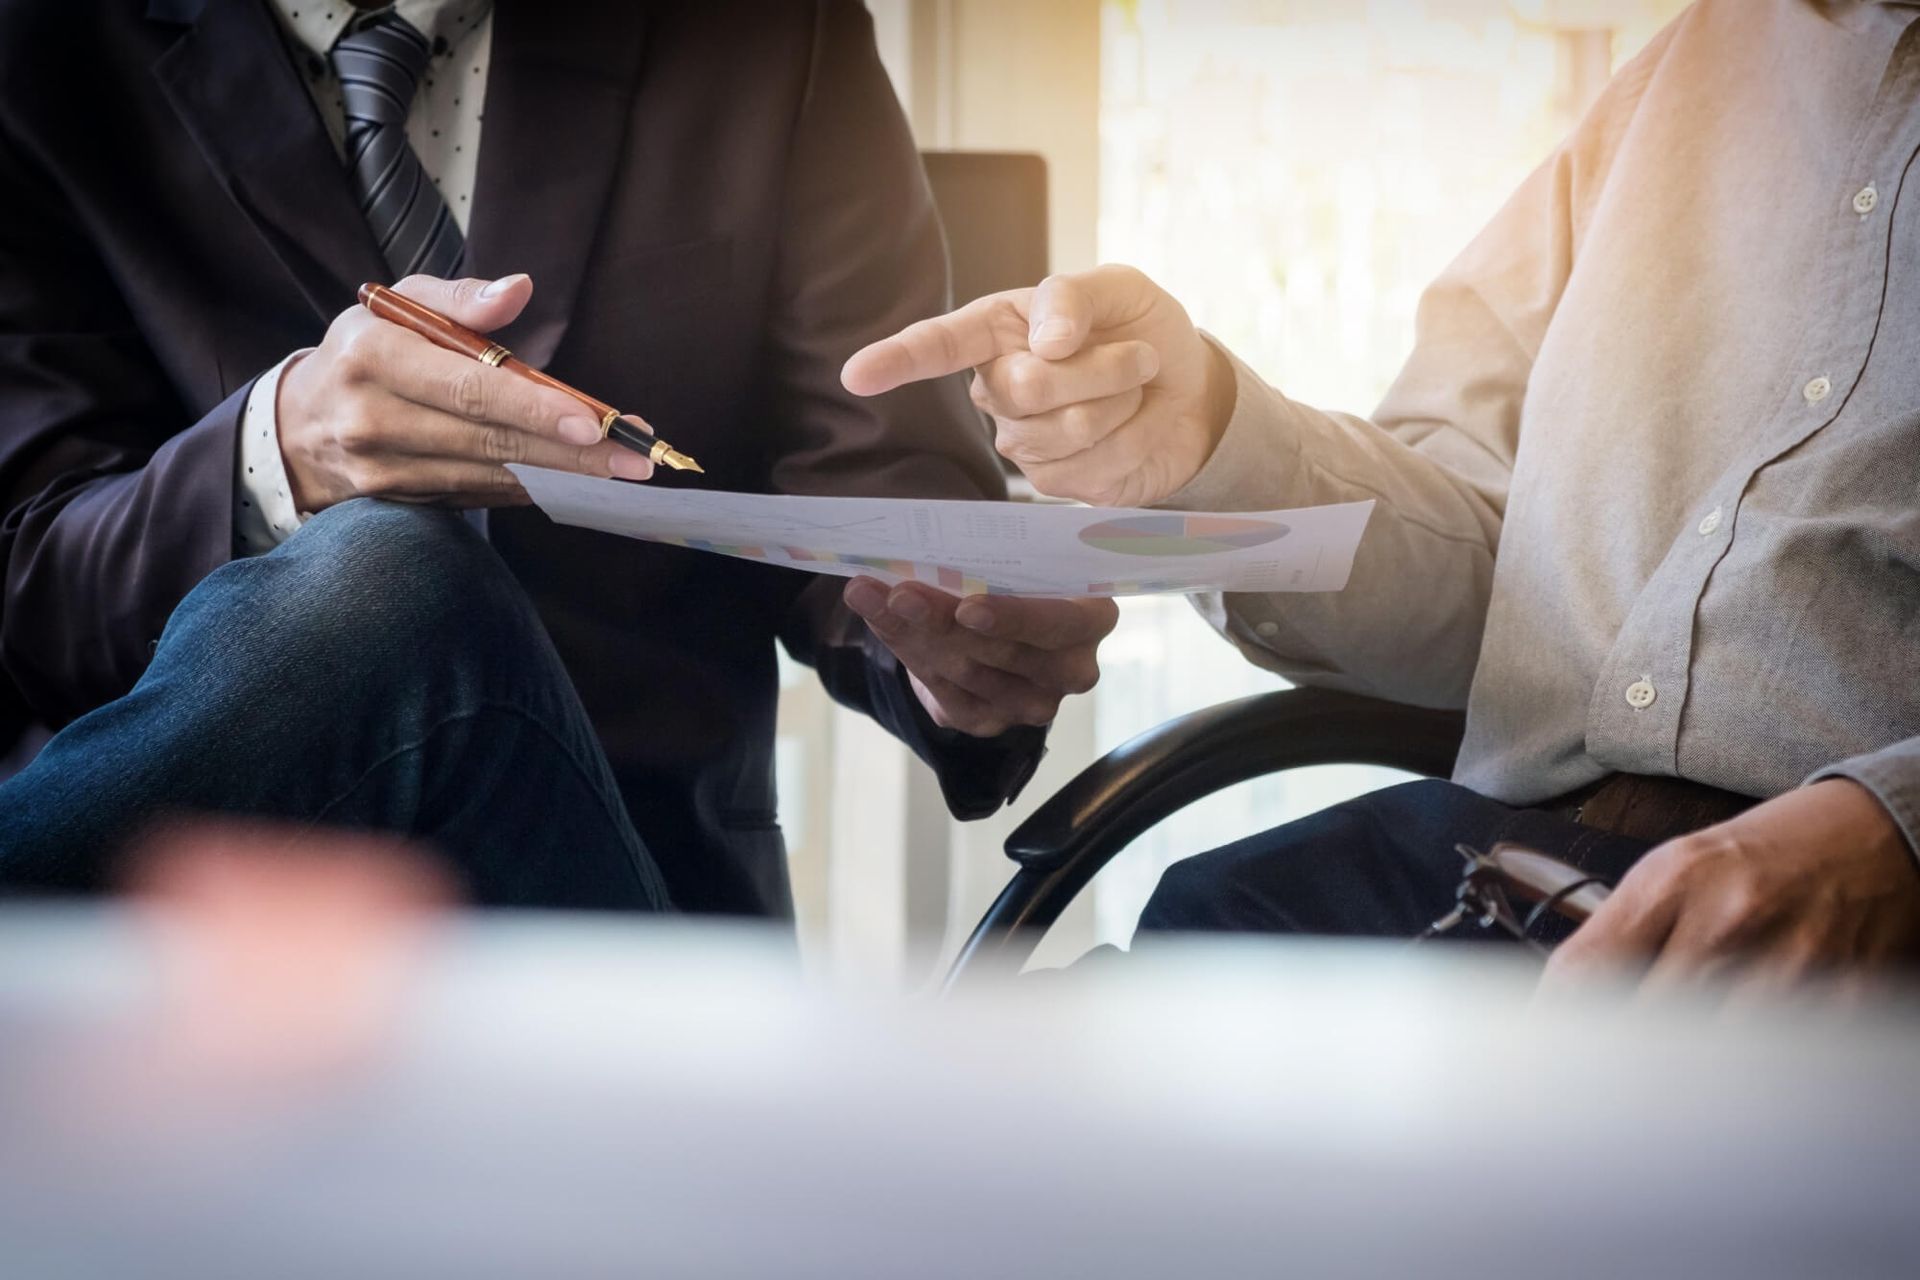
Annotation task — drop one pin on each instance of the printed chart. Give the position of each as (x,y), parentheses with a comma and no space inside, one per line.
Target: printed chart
(1181,534)
(970,548)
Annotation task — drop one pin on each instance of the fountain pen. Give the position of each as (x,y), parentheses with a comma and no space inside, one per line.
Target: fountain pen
(442,332)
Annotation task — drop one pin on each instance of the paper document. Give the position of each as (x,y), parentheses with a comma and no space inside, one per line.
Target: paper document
(969,548)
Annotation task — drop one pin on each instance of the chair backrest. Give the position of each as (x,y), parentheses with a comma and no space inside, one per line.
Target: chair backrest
(993,205)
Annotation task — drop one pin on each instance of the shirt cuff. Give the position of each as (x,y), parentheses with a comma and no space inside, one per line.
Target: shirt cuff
(1892,775)
(264,515)
(1255,453)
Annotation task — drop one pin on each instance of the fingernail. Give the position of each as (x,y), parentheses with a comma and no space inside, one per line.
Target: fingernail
(501,285)
(974,616)
(575,429)
(1147,361)
(628,465)
(907,605)
(1054,330)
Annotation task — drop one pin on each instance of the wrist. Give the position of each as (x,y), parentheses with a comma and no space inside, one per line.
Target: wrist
(1222,393)
(1869,819)
(288,423)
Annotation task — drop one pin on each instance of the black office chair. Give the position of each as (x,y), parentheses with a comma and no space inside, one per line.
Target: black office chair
(993,205)
(1126,792)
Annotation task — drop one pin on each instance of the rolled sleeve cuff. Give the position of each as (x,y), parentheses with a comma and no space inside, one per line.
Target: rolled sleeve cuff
(1893,776)
(264,515)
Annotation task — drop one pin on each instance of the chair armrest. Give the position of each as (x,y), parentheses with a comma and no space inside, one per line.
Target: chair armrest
(1126,792)
(1111,802)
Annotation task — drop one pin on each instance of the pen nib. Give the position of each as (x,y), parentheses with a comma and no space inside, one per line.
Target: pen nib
(665,455)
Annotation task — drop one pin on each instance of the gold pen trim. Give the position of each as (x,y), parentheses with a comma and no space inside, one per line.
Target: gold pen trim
(494,354)
(664,453)
(661,454)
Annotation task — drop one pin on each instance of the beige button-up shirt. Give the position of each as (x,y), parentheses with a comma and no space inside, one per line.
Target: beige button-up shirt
(1649,484)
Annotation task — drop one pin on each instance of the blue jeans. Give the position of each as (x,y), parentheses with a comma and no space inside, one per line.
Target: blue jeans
(380,670)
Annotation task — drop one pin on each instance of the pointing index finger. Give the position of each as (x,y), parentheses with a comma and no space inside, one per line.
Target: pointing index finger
(983,330)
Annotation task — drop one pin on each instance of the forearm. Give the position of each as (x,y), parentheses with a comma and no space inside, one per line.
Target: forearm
(861,255)
(1408,624)
(114,501)
(95,563)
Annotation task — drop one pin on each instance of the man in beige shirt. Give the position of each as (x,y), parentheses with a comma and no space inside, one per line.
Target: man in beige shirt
(1649,506)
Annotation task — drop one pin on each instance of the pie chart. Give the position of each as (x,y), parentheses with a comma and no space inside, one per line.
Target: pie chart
(1175,535)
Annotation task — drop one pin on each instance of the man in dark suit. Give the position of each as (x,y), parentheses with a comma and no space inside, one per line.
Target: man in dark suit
(229,557)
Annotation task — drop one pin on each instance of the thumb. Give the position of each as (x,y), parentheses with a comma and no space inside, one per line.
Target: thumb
(480,305)
(1067,309)
(1060,319)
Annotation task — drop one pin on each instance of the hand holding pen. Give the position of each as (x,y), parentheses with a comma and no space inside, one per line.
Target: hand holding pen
(379,409)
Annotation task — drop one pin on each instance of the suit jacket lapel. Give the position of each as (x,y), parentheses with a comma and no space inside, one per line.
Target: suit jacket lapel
(237,91)
(560,91)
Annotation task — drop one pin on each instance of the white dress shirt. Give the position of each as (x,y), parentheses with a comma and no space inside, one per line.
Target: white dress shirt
(443,124)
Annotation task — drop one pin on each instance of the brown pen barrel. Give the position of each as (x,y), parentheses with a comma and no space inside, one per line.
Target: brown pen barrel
(399,309)
(603,413)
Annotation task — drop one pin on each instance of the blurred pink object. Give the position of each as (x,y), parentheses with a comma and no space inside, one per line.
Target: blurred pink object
(281,953)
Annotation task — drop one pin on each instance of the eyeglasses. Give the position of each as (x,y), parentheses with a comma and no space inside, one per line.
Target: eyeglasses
(1494,880)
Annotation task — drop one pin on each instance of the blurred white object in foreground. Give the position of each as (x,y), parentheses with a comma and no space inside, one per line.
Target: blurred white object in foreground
(559,1097)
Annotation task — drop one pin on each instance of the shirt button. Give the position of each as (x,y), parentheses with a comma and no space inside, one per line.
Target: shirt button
(1268,629)
(1817,390)
(1865,199)
(1710,524)
(1640,694)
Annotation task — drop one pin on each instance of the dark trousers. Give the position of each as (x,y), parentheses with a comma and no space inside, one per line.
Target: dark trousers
(1382,865)
(380,670)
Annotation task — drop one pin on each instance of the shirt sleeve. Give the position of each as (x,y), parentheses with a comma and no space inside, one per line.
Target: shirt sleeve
(1892,774)
(263,512)
(116,495)
(1424,571)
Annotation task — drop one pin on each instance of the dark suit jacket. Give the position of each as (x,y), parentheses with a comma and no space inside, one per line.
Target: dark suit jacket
(718,201)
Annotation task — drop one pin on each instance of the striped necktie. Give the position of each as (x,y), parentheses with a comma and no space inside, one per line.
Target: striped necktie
(379,65)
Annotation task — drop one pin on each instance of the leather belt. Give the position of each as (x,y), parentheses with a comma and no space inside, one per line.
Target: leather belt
(1650,808)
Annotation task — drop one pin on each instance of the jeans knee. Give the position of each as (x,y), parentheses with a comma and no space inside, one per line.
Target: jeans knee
(391,553)
(365,586)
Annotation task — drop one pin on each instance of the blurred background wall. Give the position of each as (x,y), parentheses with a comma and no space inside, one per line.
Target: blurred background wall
(1294,171)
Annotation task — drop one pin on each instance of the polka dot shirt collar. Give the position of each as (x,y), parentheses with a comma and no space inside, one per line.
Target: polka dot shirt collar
(316,24)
